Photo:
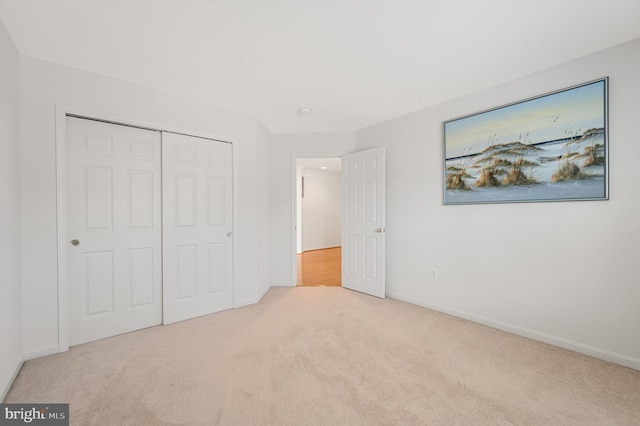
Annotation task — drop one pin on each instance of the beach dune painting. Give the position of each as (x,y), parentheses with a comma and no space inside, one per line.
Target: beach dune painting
(550,148)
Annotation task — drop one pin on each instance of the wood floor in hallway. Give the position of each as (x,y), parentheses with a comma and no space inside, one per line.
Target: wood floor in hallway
(320,267)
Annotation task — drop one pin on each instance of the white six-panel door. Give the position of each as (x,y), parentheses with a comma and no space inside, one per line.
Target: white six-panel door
(363,232)
(114,225)
(197,226)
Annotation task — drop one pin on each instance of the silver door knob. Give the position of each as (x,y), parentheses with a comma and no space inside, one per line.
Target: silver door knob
(379,230)
(75,242)
(229,234)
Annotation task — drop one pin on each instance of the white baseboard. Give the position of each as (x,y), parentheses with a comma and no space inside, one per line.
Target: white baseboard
(264,292)
(320,248)
(44,351)
(5,391)
(592,351)
(245,302)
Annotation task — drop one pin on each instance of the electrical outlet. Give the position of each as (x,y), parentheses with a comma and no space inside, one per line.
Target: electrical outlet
(434,273)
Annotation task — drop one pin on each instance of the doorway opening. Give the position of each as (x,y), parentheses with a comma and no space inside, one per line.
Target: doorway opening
(318,221)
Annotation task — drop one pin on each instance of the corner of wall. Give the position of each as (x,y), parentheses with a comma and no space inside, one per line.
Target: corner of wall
(7,387)
(11,324)
(263,211)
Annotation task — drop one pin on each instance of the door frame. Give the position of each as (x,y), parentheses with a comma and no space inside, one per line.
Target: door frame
(294,203)
(61,113)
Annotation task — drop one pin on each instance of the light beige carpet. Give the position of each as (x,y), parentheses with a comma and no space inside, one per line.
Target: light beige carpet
(329,356)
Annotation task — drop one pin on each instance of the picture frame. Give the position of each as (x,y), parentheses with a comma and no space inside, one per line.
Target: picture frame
(552,147)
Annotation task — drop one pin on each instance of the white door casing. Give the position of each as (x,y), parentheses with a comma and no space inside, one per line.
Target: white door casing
(197,226)
(363,221)
(113,213)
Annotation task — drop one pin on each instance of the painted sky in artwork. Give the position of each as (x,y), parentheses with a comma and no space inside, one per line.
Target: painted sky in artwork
(544,119)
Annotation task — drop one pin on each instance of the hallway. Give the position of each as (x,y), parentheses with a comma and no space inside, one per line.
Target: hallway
(320,267)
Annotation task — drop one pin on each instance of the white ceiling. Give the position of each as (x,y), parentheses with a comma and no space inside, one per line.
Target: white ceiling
(353,62)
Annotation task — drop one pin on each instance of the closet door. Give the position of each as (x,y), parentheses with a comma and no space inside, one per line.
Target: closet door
(114,224)
(197,227)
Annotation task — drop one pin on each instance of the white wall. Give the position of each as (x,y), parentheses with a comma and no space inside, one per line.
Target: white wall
(10,296)
(284,149)
(43,85)
(321,210)
(563,272)
(264,264)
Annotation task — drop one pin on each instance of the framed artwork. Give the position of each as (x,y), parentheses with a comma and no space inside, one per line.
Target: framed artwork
(553,147)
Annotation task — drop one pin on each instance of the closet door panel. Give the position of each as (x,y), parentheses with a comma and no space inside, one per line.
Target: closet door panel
(197,227)
(113,220)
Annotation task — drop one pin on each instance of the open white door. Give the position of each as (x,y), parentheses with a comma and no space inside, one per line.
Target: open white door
(197,226)
(363,242)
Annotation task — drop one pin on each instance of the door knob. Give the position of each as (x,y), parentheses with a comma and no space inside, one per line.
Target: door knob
(75,242)
(379,230)
(229,234)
